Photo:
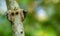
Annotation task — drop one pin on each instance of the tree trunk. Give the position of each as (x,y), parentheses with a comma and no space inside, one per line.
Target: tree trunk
(15,15)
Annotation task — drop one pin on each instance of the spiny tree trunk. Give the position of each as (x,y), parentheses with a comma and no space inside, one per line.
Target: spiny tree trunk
(15,15)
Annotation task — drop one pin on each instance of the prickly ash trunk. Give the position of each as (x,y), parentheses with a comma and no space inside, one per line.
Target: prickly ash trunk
(17,25)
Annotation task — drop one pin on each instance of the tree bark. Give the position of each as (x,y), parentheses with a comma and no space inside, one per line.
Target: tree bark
(15,16)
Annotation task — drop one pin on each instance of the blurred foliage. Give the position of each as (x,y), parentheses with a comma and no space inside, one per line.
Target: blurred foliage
(5,26)
(33,25)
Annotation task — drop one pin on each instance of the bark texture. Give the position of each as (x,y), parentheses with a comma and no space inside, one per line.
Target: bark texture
(15,15)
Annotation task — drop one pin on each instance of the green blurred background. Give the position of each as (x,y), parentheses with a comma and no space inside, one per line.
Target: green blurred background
(42,18)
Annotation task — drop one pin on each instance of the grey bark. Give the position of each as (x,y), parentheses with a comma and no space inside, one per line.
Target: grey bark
(17,25)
